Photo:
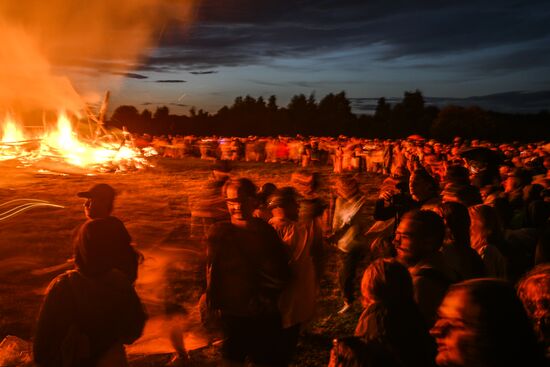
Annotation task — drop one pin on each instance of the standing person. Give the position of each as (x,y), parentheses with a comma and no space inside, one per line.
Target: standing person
(102,242)
(313,214)
(391,315)
(297,303)
(418,239)
(349,225)
(89,313)
(248,269)
(461,258)
(487,239)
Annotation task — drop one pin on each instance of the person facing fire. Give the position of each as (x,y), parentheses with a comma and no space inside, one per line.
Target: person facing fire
(248,269)
(102,242)
(90,312)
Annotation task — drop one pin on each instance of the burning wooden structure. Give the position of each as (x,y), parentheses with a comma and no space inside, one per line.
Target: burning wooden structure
(85,143)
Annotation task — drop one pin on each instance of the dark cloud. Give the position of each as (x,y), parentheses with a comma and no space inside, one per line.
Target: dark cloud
(512,102)
(245,32)
(170,81)
(129,75)
(203,72)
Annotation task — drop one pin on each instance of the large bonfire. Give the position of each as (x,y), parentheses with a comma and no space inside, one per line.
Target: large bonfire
(71,141)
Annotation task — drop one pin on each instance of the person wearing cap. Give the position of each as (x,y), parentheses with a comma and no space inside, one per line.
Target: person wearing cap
(103,242)
(89,313)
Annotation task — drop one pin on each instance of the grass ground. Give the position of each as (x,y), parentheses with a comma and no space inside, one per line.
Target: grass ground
(154,205)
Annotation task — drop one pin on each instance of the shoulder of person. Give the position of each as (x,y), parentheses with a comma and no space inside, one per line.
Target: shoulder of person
(219,229)
(428,274)
(65,283)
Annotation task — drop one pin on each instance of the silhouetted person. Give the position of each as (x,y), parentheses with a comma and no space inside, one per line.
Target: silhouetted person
(102,242)
(461,258)
(487,238)
(89,313)
(391,315)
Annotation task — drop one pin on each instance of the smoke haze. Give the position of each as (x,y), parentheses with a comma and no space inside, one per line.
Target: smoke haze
(46,43)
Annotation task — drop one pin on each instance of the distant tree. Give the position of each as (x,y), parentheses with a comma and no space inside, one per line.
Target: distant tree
(161,113)
(407,117)
(383,110)
(467,122)
(335,116)
(126,116)
(146,115)
(272,104)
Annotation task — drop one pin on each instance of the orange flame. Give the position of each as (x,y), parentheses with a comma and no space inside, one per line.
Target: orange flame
(63,144)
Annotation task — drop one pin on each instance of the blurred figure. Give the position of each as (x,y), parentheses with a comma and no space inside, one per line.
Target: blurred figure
(353,352)
(248,269)
(298,299)
(534,292)
(313,214)
(209,207)
(263,211)
(418,240)
(349,225)
(487,239)
(482,323)
(391,315)
(461,258)
(457,187)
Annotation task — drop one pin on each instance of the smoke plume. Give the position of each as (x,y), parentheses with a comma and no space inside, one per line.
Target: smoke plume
(54,52)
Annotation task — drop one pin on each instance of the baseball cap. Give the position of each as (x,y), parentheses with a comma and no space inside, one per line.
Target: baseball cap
(99,191)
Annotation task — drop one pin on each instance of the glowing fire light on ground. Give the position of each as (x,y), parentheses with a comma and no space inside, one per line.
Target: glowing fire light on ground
(62,144)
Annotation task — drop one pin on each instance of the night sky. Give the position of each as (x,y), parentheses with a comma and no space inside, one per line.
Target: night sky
(447,49)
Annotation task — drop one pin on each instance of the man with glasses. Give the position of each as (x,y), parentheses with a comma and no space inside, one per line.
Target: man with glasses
(248,269)
(418,239)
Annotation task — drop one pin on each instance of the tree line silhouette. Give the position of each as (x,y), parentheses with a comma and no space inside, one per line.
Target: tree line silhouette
(332,116)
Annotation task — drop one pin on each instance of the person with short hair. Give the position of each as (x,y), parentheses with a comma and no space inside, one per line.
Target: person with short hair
(424,189)
(248,268)
(418,240)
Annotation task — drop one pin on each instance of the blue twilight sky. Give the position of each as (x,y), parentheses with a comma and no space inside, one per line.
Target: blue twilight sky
(370,49)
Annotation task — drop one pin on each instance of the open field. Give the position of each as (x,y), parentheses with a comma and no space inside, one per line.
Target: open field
(154,205)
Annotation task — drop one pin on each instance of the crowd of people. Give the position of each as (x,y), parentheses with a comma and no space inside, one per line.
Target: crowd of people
(455,269)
